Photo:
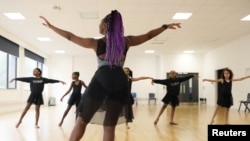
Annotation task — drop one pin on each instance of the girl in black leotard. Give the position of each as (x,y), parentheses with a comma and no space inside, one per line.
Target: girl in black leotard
(105,98)
(36,87)
(75,97)
(225,98)
(129,115)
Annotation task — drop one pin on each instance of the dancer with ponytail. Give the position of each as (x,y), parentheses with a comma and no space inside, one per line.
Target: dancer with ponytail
(107,93)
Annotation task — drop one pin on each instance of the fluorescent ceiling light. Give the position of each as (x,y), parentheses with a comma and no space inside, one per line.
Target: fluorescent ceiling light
(60,51)
(188,51)
(14,16)
(44,39)
(247,18)
(182,16)
(149,51)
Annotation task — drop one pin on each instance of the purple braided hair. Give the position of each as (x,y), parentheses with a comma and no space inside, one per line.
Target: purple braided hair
(115,44)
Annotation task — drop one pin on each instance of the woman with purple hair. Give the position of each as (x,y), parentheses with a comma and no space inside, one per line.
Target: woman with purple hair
(107,92)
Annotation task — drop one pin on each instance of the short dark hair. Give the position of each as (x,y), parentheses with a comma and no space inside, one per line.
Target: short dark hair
(39,70)
(76,73)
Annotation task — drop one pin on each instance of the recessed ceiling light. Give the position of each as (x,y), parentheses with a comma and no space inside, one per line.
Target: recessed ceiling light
(60,51)
(182,16)
(188,51)
(44,39)
(247,18)
(14,16)
(149,51)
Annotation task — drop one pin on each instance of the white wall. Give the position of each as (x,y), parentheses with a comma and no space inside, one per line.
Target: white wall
(180,63)
(141,65)
(234,55)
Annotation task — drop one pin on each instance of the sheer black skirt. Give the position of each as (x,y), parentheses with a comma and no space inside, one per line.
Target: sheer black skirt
(103,102)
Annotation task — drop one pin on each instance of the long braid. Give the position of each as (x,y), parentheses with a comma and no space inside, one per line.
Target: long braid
(115,44)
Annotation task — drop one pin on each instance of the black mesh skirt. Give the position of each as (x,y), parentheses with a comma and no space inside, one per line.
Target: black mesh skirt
(104,100)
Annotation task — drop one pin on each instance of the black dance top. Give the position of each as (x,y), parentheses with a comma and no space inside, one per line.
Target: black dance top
(77,88)
(226,87)
(37,84)
(101,49)
(173,85)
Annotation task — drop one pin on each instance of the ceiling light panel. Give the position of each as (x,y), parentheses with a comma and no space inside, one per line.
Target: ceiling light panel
(44,39)
(182,16)
(14,16)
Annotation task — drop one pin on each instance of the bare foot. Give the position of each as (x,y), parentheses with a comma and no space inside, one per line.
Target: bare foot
(127,127)
(17,125)
(212,121)
(156,121)
(60,124)
(173,123)
(37,126)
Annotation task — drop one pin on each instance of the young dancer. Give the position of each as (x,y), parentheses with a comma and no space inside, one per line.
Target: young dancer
(129,115)
(171,97)
(75,97)
(109,84)
(36,88)
(225,98)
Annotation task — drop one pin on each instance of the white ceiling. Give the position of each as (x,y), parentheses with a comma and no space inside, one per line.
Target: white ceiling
(213,23)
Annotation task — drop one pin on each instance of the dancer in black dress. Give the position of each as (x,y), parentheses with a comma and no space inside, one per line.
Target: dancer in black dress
(171,97)
(107,93)
(129,115)
(36,88)
(75,97)
(225,97)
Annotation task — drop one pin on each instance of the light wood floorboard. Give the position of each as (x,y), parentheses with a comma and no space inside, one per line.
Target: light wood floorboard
(192,125)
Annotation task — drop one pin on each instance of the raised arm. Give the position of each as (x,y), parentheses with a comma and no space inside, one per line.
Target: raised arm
(240,79)
(84,42)
(136,40)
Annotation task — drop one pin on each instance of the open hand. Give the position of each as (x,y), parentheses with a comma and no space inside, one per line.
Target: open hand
(46,22)
(174,25)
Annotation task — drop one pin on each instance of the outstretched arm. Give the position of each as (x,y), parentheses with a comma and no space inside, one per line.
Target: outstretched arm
(210,80)
(240,79)
(84,42)
(23,79)
(160,81)
(136,40)
(46,80)
(141,78)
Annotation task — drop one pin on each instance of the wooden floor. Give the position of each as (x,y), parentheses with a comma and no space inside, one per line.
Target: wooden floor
(192,122)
